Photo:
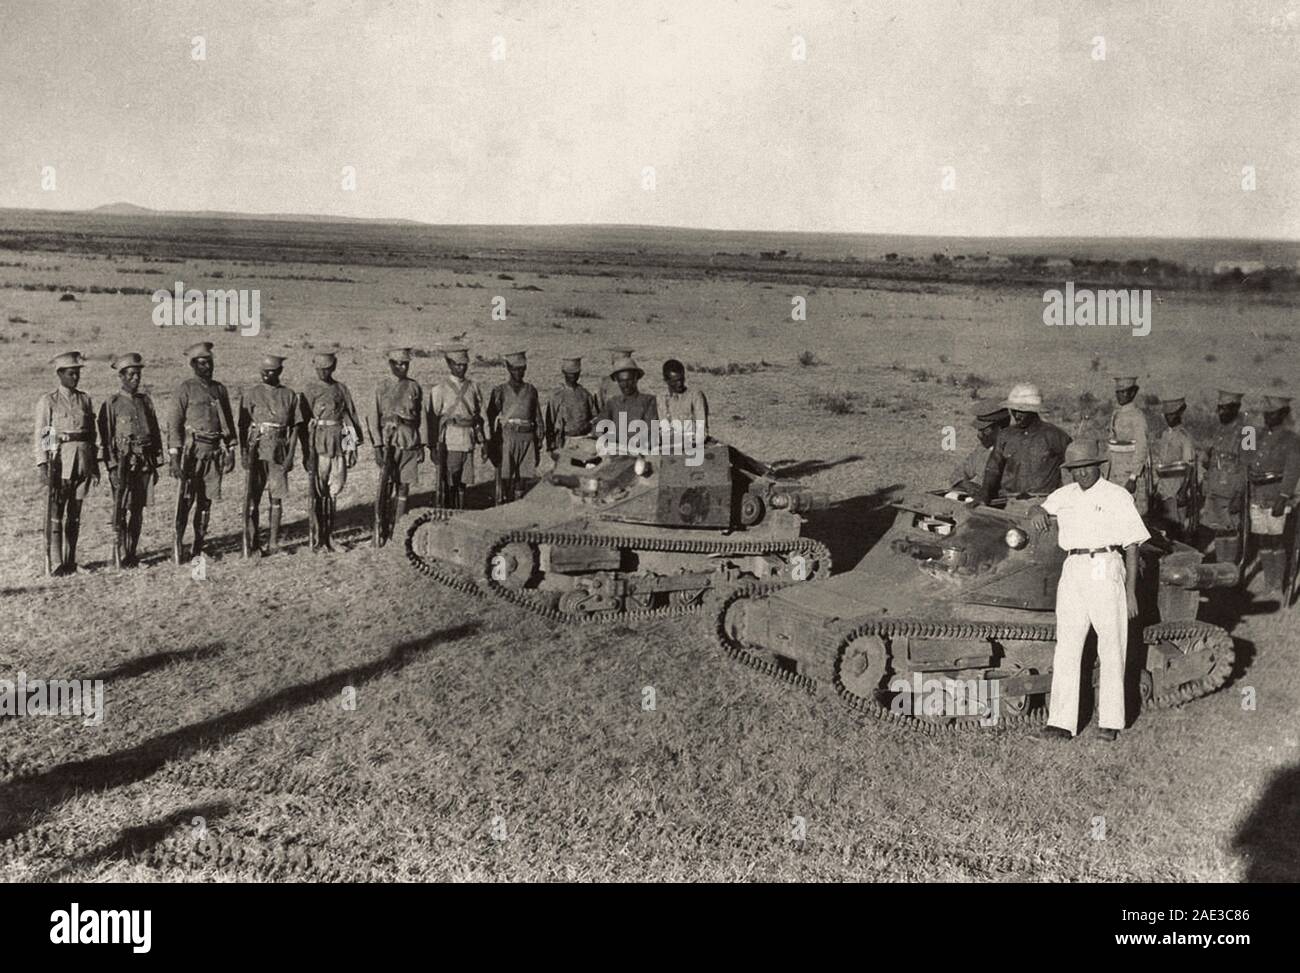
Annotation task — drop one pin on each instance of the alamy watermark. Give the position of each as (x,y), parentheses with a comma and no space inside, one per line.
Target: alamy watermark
(665,437)
(53,697)
(228,308)
(919,696)
(1113,308)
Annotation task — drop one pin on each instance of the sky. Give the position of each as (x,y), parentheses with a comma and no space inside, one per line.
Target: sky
(1022,117)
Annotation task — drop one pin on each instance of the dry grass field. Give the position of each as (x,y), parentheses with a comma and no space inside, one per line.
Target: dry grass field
(486,744)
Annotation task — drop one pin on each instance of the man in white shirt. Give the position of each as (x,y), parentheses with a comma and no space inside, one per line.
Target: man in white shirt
(1096,521)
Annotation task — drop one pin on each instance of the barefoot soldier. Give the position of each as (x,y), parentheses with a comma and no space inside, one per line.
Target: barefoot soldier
(571,409)
(65,456)
(1130,461)
(131,449)
(333,432)
(200,446)
(1100,530)
(515,429)
(454,422)
(1274,472)
(271,425)
(1176,472)
(1223,513)
(399,451)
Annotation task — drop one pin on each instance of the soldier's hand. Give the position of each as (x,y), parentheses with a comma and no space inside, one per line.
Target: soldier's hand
(1041,523)
(174,466)
(245,459)
(1131,485)
(1279,507)
(94,475)
(379,456)
(45,473)
(350,458)
(1132,598)
(114,478)
(230,461)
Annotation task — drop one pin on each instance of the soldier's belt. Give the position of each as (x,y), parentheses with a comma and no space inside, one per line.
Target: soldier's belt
(327,422)
(1121,446)
(1263,479)
(1170,469)
(206,438)
(1090,551)
(459,421)
(521,425)
(392,420)
(73,437)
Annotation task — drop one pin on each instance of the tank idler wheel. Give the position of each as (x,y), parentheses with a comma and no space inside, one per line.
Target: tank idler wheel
(751,509)
(864,668)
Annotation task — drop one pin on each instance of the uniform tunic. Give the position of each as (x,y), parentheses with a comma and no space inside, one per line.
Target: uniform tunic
(1025,460)
(516,426)
(569,412)
(328,409)
(268,416)
(129,437)
(66,417)
(1274,470)
(970,471)
(203,409)
(688,406)
(1173,447)
(1225,472)
(397,423)
(455,410)
(1129,451)
(1092,594)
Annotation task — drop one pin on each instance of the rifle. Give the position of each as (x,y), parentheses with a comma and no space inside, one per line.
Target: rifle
(385,495)
(54,469)
(441,500)
(313,487)
(119,506)
(1194,498)
(249,459)
(1243,528)
(184,497)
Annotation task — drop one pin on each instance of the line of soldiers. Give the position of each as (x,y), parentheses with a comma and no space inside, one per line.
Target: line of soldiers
(203,435)
(1241,487)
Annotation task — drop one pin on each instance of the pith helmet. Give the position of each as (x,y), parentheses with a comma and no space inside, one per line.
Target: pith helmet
(626,365)
(1083,452)
(202,349)
(1024,398)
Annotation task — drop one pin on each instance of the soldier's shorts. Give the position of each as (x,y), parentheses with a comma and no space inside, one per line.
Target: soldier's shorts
(408,464)
(332,470)
(456,462)
(1263,522)
(208,458)
(518,454)
(274,478)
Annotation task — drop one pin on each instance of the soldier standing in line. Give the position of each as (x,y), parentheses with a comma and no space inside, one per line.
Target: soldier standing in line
(1130,460)
(990,419)
(270,425)
(65,455)
(1225,480)
(1176,474)
(454,420)
(333,432)
(200,445)
(1274,472)
(398,400)
(130,444)
(516,429)
(608,386)
(571,410)
(1026,458)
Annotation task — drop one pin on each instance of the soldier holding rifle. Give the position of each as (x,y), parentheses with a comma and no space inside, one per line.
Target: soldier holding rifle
(1223,511)
(1274,477)
(130,445)
(200,446)
(454,418)
(516,429)
(398,400)
(270,427)
(333,432)
(1176,474)
(65,455)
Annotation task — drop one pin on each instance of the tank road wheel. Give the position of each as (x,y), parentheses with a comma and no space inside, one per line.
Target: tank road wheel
(515,564)
(865,667)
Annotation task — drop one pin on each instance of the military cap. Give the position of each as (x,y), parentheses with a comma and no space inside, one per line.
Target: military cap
(69,359)
(1273,403)
(1125,382)
(570,365)
(1083,452)
(324,359)
(516,359)
(988,422)
(398,354)
(272,361)
(626,365)
(457,353)
(1170,406)
(1230,398)
(615,354)
(200,349)
(1024,398)
(131,359)
(990,410)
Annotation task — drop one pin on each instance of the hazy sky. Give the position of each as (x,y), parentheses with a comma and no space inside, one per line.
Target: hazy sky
(1043,138)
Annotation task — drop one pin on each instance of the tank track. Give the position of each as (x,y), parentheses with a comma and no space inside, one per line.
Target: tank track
(816,552)
(1217,640)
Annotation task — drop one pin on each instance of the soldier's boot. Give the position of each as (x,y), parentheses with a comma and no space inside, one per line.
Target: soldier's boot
(1227,549)
(399,511)
(131,533)
(56,546)
(327,524)
(460,498)
(71,531)
(273,542)
(202,511)
(1271,561)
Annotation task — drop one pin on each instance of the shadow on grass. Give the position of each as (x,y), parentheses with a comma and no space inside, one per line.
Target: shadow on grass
(852,526)
(147,663)
(1269,839)
(24,800)
(134,841)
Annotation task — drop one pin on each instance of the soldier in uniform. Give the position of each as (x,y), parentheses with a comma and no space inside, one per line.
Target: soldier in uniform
(608,386)
(1274,472)
(1026,457)
(130,444)
(1225,479)
(1176,474)
(454,418)
(202,424)
(516,429)
(571,410)
(619,411)
(333,432)
(270,425)
(65,452)
(678,403)
(398,401)
(1130,460)
(990,419)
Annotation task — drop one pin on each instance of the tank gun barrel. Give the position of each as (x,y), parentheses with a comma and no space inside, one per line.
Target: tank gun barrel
(799,501)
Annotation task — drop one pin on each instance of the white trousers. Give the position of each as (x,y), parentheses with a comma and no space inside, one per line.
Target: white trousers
(1090,594)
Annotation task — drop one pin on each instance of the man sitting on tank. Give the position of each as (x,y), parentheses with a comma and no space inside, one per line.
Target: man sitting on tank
(1026,458)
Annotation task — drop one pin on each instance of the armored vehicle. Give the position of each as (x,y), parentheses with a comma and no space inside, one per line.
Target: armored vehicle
(948,622)
(624,537)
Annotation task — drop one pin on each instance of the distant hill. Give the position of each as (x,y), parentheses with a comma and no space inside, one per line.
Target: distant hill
(130,209)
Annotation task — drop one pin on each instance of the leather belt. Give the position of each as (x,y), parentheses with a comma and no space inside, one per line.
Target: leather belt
(81,437)
(1263,479)
(392,420)
(327,422)
(458,421)
(1121,446)
(520,425)
(205,437)
(1095,550)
